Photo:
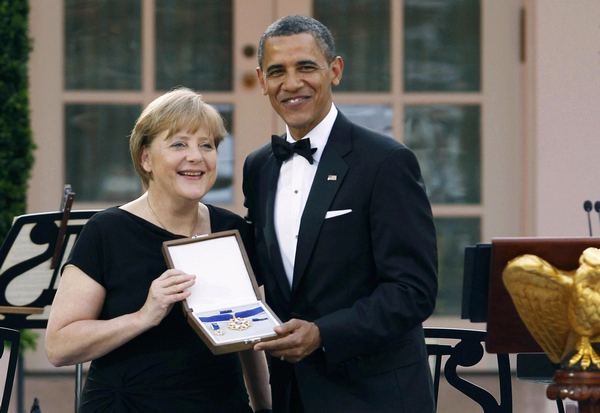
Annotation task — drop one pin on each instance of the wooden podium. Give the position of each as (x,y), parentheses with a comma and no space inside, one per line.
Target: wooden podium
(506,333)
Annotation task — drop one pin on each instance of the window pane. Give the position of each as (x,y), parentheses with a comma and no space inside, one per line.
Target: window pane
(99,165)
(102,44)
(222,191)
(194,44)
(442,41)
(453,235)
(361,30)
(376,117)
(447,142)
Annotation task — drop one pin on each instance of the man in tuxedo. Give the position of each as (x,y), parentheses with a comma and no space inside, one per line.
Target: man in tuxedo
(344,240)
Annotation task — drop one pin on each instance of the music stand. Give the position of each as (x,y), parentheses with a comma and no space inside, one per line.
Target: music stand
(30,261)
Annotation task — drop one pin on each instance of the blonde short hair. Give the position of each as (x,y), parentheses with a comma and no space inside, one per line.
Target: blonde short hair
(180,108)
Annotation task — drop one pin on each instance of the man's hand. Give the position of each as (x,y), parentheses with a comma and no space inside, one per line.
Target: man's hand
(304,338)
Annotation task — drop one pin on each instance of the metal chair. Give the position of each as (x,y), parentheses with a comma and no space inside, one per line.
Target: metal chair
(467,352)
(12,336)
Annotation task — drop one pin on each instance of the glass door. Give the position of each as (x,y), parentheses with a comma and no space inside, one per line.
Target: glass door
(117,57)
(441,76)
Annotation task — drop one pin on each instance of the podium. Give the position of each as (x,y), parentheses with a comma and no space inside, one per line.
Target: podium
(486,299)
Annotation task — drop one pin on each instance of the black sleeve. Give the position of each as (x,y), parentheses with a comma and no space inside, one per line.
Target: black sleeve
(88,252)
(248,238)
(249,221)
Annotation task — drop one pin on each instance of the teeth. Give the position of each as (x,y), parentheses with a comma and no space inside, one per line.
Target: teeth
(191,173)
(294,100)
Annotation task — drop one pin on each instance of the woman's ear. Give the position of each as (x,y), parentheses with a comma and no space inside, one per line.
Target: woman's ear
(146,164)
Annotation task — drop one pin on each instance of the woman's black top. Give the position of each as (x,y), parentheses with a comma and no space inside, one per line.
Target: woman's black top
(167,368)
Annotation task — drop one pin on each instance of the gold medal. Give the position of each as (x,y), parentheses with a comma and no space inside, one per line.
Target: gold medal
(238,323)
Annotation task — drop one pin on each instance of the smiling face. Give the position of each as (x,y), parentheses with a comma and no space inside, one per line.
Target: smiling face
(297,78)
(182,166)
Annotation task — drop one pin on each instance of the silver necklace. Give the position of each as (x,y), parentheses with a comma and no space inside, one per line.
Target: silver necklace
(192,227)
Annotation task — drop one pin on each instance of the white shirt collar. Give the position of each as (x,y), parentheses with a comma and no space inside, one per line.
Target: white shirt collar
(319,134)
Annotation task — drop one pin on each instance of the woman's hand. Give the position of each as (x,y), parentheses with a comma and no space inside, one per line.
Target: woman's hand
(75,334)
(165,291)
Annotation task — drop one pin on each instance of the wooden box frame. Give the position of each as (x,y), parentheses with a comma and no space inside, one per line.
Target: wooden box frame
(216,300)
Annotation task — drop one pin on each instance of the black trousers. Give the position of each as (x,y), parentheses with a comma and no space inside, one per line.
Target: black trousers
(296,405)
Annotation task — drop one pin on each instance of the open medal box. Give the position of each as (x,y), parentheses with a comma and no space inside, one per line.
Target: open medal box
(224,307)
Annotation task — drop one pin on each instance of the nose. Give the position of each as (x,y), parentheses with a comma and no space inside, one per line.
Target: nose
(194,154)
(292,81)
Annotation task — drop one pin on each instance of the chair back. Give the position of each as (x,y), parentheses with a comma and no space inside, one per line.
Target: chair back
(12,336)
(467,352)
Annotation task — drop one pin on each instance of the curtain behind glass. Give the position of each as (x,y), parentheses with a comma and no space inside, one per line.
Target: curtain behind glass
(102,44)
(194,44)
(361,30)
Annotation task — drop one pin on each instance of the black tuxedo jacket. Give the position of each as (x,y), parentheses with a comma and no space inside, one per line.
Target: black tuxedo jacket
(367,277)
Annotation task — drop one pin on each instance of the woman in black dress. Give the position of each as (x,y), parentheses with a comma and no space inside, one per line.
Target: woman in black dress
(115,299)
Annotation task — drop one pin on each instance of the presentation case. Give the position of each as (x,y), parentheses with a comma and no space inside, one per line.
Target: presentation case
(225,306)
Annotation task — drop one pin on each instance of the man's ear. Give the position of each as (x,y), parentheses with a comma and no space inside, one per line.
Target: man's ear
(146,164)
(261,79)
(337,67)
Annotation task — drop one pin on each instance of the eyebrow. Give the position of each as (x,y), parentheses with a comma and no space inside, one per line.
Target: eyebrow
(273,67)
(306,62)
(183,135)
(178,135)
(299,63)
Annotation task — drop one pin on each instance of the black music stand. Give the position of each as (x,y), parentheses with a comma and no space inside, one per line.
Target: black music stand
(30,261)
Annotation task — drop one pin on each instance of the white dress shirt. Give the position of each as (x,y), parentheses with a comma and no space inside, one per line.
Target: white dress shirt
(293,187)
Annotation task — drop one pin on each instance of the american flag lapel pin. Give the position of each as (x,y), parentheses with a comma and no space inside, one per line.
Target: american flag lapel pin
(332,177)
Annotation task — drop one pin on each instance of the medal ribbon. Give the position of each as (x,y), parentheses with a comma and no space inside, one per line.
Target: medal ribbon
(225,317)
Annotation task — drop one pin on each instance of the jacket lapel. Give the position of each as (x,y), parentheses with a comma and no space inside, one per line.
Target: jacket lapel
(330,175)
(269,177)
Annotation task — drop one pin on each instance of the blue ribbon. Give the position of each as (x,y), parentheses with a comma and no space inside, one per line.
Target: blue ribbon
(225,317)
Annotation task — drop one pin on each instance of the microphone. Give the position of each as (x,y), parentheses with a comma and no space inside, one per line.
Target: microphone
(597,208)
(587,206)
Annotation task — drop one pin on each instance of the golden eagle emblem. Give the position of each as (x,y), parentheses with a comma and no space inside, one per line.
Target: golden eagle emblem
(561,309)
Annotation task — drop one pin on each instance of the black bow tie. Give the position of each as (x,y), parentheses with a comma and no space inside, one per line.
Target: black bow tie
(284,150)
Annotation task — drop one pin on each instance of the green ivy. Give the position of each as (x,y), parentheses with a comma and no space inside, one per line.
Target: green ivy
(16,143)
(28,341)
